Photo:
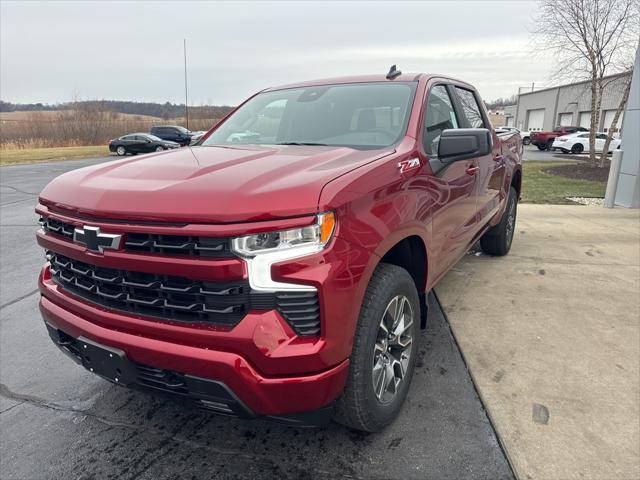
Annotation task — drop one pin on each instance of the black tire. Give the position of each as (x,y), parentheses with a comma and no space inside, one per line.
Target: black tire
(359,407)
(497,240)
(526,140)
(542,147)
(121,151)
(577,148)
(550,145)
(564,150)
(159,148)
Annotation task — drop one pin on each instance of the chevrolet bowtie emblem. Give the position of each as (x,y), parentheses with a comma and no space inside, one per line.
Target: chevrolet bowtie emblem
(96,241)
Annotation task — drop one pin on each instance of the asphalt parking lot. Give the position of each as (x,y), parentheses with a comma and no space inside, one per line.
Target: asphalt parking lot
(59,420)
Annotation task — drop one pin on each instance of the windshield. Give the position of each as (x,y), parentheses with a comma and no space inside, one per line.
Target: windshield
(361,115)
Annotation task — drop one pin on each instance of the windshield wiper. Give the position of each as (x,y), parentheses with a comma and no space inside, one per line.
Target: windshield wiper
(304,144)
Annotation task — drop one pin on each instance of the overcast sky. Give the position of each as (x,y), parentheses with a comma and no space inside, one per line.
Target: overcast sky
(126,50)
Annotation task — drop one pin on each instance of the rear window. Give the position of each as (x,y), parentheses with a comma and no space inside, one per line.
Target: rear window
(470,108)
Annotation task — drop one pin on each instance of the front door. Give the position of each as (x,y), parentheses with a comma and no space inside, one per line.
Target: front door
(453,188)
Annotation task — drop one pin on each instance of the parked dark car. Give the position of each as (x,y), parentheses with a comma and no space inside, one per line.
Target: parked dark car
(173,133)
(135,143)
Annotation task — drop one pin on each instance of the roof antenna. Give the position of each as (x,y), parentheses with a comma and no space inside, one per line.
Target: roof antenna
(393,73)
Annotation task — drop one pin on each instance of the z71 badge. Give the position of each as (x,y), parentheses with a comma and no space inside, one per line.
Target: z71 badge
(408,164)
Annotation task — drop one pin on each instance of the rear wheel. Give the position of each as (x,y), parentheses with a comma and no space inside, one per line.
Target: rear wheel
(384,351)
(542,147)
(577,148)
(497,240)
(121,151)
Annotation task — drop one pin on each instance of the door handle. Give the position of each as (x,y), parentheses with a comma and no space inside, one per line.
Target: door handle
(472,170)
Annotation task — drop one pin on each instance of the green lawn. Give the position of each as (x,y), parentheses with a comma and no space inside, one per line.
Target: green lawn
(541,187)
(36,155)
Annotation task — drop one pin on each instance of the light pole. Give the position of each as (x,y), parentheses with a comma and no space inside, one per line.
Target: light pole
(186,97)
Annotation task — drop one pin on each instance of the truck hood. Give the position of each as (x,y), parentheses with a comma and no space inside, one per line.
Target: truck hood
(207,184)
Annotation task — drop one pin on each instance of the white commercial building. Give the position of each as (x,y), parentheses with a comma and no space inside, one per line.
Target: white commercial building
(566,105)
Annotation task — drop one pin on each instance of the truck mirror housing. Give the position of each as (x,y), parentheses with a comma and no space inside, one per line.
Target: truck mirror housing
(463,143)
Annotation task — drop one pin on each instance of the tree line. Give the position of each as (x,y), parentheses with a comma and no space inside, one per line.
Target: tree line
(162,110)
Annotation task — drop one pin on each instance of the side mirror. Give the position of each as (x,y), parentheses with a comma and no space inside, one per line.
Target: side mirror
(463,143)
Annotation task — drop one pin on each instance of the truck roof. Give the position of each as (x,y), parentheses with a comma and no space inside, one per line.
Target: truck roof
(405,77)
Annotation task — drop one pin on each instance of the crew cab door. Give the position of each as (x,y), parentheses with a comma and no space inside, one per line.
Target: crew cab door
(491,172)
(453,187)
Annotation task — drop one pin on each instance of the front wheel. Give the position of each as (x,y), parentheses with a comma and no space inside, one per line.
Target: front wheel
(497,240)
(577,148)
(384,351)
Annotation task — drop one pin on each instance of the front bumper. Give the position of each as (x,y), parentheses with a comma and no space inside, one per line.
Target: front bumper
(248,393)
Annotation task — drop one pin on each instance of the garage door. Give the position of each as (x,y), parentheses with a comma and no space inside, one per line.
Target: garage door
(608,120)
(509,121)
(565,119)
(535,119)
(585,120)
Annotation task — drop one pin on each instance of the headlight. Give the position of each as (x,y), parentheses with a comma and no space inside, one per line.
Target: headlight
(262,250)
(316,235)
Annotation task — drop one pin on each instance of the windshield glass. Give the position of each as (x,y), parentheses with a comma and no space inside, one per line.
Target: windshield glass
(361,115)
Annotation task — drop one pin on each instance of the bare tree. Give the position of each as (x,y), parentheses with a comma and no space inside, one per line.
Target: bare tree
(594,38)
(614,123)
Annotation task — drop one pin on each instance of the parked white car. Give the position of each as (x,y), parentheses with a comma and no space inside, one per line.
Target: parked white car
(196,136)
(578,142)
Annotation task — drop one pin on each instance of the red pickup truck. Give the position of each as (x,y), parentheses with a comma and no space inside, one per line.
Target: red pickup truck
(544,140)
(279,269)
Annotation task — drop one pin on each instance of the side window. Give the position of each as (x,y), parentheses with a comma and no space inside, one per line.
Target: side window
(470,108)
(601,136)
(583,135)
(440,116)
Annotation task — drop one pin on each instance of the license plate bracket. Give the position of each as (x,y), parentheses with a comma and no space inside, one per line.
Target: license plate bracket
(108,362)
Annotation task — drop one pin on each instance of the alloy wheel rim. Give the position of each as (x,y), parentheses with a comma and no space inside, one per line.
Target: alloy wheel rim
(120,150)
(392,350)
